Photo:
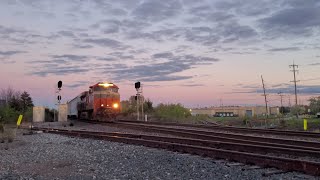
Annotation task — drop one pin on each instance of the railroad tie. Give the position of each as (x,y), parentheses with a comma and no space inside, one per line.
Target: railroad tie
(272,172)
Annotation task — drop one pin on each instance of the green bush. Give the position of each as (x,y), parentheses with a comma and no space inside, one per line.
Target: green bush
(129,107)
(297,110)
(314,105)
(28,115)
(8,115)
(245,120)
(171,112)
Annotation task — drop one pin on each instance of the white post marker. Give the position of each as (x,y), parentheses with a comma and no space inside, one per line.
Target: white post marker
(146,118)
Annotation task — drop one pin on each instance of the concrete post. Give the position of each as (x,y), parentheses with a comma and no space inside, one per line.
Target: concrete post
(38,114)
(63,113)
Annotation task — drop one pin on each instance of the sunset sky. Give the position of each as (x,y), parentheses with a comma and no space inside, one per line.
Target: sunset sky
(193,52)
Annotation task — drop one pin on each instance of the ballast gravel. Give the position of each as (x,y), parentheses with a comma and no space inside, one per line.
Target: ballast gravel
(50,156)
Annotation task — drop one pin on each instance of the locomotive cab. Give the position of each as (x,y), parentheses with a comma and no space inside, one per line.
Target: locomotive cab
(100,102)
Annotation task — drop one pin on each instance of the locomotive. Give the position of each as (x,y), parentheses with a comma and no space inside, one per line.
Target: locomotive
(101,102)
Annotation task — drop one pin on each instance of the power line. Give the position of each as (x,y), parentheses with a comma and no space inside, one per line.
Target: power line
(311,79)
(294,66)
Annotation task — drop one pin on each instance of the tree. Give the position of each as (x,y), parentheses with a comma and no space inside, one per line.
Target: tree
(20,102)
(126,107)
(314,104)
(15,103)
(296,110)
(130,106)
(8,94)
(171,111)
(147,106)
(26,101)
(8,115)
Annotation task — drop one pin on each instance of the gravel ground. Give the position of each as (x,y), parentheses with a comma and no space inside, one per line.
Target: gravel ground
(105,128)
(49,156)
(93,127)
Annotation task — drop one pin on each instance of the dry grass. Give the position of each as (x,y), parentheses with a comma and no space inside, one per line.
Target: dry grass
(7,133)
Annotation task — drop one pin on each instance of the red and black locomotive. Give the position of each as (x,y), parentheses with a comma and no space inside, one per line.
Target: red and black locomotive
(100,102)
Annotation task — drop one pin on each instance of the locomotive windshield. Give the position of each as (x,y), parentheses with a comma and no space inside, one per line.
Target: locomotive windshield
(101,88)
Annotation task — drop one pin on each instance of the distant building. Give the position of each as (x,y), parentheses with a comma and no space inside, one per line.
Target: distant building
(234,111)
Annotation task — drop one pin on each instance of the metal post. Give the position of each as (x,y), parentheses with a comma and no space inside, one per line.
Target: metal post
(138,106)
(54,105)
(142,104)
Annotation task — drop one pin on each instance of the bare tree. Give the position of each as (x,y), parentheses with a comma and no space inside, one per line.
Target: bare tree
(9,94)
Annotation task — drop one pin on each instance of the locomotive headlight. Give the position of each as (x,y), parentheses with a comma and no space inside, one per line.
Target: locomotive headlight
(102,105)
(115,105)
(105,84)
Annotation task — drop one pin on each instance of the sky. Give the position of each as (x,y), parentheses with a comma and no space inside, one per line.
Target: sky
(198,53)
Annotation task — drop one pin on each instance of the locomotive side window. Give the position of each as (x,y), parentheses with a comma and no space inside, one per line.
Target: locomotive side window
(114,90)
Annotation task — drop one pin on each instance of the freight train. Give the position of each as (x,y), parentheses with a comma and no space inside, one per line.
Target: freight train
(101,102)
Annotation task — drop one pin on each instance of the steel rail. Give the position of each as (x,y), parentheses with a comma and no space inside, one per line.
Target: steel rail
(237,129)
(287,164)
(208,135)
(254,148)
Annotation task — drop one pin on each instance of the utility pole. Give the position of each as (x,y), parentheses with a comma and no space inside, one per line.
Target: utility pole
(281,97)
(281,107)
(265,96)
(294,70)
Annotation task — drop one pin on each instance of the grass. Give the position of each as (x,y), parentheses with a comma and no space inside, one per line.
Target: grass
(7,132)
(313,124)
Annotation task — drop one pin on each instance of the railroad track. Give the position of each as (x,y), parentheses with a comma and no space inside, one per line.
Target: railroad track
(212,135)
(244,153)
(235,129)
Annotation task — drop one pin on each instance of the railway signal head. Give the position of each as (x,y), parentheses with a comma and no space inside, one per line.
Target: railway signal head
(59,84)
(137,85)
(59,98)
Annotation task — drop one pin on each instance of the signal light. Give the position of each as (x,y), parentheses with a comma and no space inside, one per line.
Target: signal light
(59,84)
(59,97)
(137,85)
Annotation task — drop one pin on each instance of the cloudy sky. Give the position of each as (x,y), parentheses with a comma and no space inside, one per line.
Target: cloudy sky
(187,51)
